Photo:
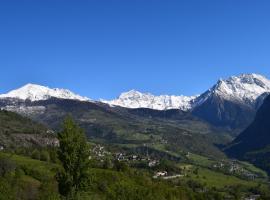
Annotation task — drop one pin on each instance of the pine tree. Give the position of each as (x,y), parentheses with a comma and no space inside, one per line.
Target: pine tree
(74,155)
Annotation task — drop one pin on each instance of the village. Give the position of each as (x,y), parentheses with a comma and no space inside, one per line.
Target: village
(233,167)
(230,167)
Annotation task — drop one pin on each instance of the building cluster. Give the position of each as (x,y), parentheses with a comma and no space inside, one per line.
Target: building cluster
(232,167)
(134,157)
(99,152)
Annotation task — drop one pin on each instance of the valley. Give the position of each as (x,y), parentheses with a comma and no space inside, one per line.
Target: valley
(188,148)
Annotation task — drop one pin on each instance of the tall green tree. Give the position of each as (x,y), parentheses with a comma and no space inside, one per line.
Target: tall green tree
(73,153)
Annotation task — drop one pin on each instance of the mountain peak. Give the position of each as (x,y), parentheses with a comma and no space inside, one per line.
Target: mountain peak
(130,93)
(244,88)
(136,99)
(36,92)
(250,79)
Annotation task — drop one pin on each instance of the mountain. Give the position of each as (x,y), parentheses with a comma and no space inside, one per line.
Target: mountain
(233,102)
(243,89)
(174,123)
(35,92)
(17,131)
(167,131)
(253,143)
(230,103)
(136,99)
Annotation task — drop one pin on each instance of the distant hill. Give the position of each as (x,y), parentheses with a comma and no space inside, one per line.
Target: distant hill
(253,144)
(16,130)
(167,131)
(164,123)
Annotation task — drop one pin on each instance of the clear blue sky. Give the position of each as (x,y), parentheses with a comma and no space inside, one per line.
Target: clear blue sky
(100,48)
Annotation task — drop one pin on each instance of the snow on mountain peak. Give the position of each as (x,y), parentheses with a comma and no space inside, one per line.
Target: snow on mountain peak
(136,99)
(131,94)
(35,92)
(245,87)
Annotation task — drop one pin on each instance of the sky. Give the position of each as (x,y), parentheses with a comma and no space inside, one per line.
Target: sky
(100,48)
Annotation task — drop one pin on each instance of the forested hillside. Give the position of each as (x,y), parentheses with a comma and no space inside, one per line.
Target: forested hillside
(16,130)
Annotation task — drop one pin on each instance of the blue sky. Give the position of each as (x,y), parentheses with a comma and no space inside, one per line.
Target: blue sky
(100,48)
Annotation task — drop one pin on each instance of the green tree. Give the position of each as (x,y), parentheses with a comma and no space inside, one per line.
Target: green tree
(6,166)
(35,154)
(120,166)
(74,155)
(44,155)
(107,164)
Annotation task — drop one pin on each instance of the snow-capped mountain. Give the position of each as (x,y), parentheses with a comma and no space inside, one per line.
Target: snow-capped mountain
(35,92)
(135,99)
(232,102)
(245,88)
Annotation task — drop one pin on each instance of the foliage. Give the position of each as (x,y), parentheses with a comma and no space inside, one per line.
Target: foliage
(74,153)
(6,166)
(11,122)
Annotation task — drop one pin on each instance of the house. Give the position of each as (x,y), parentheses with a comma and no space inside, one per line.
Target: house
(153,163)
(120,156)
(160,174)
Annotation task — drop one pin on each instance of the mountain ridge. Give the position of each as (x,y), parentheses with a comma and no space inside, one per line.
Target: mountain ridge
(245,88)
(36,92)
(230,103)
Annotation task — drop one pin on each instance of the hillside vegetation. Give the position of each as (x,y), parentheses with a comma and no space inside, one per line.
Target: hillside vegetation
(16,130)
(172,130)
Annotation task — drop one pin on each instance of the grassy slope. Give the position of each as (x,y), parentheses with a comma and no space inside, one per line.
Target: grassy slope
(109,178)
(44,169)
(218,179)
(104,182)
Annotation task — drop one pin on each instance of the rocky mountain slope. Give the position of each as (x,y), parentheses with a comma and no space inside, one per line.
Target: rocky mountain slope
(256,136)
(253,144)
(244,89)
(230,103)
